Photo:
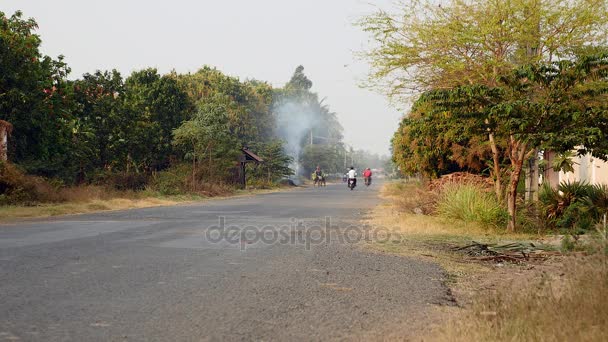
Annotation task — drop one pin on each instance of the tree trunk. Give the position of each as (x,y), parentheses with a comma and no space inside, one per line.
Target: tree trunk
(209,168)
(517,152)
(193,166)
(497,171)
(194,173)
(268,168)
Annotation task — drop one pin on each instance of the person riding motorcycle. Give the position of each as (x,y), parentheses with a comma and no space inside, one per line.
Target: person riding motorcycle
(352,178)
(318,176)
(367,176)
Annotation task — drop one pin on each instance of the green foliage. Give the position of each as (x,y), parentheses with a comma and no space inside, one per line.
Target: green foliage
(99,123)
(154,106)
(574,207)
(328,157)
(141,131)
(470,204)
(422,46)
(563,162)
(596,202)
(207,141)
(275,166)
(35,97)
(445,132)
(172,181)
(507,69)
(248,104)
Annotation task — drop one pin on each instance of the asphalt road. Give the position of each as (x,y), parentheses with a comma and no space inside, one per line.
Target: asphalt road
(285,266)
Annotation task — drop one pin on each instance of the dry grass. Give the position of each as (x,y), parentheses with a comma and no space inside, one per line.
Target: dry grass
(88,199)
(572,306)
(12,213)
(430,237)
(405,209)
(543,302)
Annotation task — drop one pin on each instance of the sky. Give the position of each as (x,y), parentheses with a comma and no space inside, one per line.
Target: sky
(261,39)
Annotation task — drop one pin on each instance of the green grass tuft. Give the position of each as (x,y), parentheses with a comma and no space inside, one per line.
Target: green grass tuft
(468,203)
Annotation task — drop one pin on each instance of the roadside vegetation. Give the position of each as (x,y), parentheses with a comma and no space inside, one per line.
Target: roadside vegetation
(566,306)
(148,137)
(501,296)
(503,92)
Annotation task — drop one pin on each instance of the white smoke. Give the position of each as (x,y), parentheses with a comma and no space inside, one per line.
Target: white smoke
(295,120)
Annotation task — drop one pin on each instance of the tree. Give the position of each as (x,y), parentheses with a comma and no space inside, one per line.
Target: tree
(207,140)
(154,105)
(248,103)
(303,121)
(428,47)
(434,140)
(97,122)
(276,162)
(425,46)
(34,97)
(558,106)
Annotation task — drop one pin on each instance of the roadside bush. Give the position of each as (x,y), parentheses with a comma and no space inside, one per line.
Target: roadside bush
(172,181)
(412,197)
(16,187)
(596,202)
(122,180)
(468,203)
(178,180)
(574,206)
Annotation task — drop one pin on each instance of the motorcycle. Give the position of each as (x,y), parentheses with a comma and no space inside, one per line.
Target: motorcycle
(352,183)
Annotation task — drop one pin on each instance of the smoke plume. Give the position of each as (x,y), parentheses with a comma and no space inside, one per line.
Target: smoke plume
(295,120)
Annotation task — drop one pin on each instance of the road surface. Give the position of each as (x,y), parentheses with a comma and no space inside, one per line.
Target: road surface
(282,266)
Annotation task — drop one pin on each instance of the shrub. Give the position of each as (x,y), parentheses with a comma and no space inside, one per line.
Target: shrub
(596,202)
(172,181)
(411,197)
(178,180)
(122,180)
(16,187)
(468,203)
(573,206)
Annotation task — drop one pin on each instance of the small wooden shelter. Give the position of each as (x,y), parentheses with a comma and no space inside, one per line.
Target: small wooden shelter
(246,157)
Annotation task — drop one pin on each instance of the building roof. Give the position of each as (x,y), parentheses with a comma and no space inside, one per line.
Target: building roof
(250,156)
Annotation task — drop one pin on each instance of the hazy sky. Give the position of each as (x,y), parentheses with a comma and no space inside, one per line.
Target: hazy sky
(262,39)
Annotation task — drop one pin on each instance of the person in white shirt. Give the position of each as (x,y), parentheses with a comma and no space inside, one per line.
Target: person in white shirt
(352,178)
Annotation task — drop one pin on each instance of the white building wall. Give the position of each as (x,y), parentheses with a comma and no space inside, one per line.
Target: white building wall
(587,169)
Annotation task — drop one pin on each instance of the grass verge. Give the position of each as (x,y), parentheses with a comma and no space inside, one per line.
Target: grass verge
(564,298)
(567,306)
(93,199)
(13,213)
